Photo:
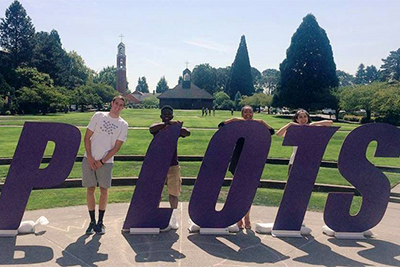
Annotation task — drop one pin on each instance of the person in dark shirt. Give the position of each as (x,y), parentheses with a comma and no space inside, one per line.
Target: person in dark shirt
(174,174)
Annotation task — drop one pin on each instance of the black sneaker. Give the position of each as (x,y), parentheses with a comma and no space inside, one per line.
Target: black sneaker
(91,229)
(100,228)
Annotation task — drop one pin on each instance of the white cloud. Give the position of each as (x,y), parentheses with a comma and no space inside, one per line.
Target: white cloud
(210,45)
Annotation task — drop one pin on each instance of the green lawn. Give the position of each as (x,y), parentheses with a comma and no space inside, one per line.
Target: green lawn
(145,117)
(51,198)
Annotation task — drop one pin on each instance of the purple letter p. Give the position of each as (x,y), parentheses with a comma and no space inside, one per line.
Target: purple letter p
(25,174)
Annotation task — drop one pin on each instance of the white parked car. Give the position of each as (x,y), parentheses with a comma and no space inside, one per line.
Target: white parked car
(285,111)
(328,111)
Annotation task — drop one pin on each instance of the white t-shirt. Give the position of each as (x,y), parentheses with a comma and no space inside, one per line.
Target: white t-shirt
(106,131)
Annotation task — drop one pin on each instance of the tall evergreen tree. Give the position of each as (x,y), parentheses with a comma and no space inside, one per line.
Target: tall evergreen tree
(240,78)
(162,85)
(391,66)
(361,77)
(48,55)
(17,34)
(371,74)
(345,79)
(142,85)
(309,71)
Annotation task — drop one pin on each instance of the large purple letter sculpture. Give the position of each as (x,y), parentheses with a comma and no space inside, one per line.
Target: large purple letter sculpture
(369,181)
(246,179)
(25,173)
(144,211)
(311,142)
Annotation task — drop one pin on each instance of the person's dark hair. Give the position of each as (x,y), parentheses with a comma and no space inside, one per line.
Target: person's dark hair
(245,107)
(167,107)
(296,116)
(119,97)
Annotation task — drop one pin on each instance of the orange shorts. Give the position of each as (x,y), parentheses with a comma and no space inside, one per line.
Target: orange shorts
(174,180)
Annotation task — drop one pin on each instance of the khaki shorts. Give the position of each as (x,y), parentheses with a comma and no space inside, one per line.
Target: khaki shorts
(101,176)
(174,180)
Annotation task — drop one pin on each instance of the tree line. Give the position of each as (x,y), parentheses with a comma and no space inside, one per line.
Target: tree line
(38,75)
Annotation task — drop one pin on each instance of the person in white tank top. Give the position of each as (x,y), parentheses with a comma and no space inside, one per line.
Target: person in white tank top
(301,117)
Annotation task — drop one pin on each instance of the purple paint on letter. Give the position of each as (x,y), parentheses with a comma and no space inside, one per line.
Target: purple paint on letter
(245,181)
(366,178)
(144,211)
(24,173)
(311,142)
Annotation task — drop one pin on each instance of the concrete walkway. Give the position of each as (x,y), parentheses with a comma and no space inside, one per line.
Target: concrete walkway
(63,243)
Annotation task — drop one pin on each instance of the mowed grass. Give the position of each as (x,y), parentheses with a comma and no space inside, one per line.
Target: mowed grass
(145,117)
(51,198)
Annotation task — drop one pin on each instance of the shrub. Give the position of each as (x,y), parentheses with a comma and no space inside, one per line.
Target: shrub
(352,118)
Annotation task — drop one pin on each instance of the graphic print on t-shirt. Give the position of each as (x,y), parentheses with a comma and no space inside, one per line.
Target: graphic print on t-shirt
(108,127)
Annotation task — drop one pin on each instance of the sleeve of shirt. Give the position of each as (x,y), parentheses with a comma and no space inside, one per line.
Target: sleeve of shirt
(93,121)
(124,132)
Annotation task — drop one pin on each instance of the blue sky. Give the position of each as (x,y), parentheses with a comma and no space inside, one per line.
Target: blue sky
(160,36)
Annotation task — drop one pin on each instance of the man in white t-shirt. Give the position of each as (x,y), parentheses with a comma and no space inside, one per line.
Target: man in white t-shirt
(104,136)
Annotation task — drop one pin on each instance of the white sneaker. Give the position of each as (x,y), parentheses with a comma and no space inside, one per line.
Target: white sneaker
(173,223)
(193,228)
(234,228)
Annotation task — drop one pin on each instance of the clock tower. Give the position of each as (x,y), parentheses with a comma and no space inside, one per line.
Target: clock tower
(121,69)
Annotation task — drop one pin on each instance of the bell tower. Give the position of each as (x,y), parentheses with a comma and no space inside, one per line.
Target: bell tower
(186,77)
(121,68)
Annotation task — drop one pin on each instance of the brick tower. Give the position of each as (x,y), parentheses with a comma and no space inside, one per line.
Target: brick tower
(121,69)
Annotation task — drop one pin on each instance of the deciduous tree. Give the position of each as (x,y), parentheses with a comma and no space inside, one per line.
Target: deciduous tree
(107,75)
(205,77)
(270,79)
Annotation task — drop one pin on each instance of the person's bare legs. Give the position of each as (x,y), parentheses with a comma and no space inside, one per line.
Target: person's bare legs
(103,198)
(90,198)
(247,222)
(173,201)
(240,224)
(91,204)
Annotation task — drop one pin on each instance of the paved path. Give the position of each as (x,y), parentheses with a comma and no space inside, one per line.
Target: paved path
(62,243)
